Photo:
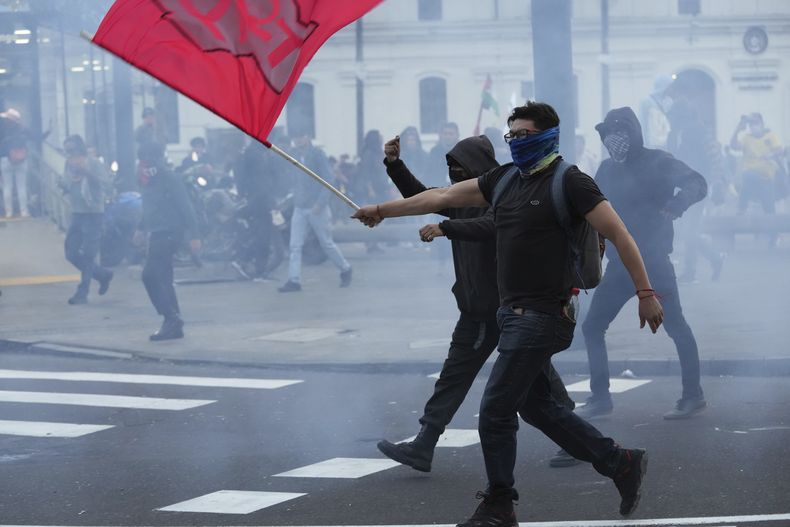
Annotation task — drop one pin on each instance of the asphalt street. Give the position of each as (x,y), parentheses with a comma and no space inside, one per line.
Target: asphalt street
(291,446)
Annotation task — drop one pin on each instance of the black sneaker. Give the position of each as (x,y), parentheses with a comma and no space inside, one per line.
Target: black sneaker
(290,287)
(78,300)
(412,454)
(627,478)
(345,278)
(686,408)
(562,459)
(495,511)
(595,407)
(104,285)
(171,329)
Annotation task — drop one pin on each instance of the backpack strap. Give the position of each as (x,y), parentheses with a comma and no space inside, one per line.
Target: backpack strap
(558,195)
(561,204)
(502,185)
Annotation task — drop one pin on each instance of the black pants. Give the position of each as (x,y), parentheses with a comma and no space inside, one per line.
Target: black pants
(158,272)
(472,343)
(82,246)
(519,385)
(615,290)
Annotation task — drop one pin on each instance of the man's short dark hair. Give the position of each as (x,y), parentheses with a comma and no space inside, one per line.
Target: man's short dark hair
(540,113)
(197,141)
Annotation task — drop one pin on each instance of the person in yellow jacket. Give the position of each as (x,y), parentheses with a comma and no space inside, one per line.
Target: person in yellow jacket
(759,167)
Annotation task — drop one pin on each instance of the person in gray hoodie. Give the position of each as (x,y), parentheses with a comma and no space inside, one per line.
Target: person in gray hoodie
(82,183)
(311,211)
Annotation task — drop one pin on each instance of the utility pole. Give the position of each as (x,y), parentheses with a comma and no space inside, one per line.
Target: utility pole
(553,64)
(360,89)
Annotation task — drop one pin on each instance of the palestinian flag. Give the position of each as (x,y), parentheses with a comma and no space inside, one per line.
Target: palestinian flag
(488,102)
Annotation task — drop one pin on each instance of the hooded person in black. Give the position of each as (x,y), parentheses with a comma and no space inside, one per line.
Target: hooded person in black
(168,218)
(649,189)
(472,233)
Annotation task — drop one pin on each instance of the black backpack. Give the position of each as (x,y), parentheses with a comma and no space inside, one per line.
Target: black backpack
(585,244)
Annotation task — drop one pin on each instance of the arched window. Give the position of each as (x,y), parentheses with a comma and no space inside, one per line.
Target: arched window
(300,114)
(433,104)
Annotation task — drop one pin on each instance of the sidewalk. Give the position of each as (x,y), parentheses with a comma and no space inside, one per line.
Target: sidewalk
(398,314)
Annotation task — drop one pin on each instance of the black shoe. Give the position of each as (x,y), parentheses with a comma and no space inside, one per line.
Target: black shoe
(631,468)
(345,278)
(595,407)
(413,454)
(686,408)
(495,511)
(290,287)
(78,299)
(172,328)
(104,285)
(562,459)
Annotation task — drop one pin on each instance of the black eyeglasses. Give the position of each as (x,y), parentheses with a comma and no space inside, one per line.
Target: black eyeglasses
(519,134)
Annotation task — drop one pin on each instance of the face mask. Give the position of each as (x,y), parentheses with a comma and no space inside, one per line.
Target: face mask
(618,144)
(528,152)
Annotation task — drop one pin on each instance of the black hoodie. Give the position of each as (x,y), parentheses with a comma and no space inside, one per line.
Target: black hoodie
(475,287)
(647,190)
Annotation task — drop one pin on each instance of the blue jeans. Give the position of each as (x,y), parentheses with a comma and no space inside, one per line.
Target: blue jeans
(520,384)
(321,225)
(81,247)
(611,295)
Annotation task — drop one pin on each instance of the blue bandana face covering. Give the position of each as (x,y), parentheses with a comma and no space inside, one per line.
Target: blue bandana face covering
(528,152)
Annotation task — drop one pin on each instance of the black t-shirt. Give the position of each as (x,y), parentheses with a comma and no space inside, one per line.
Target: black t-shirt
(532,249)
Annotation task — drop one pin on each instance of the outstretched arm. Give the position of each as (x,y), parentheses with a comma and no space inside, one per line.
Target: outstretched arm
(464,194)
(605,220)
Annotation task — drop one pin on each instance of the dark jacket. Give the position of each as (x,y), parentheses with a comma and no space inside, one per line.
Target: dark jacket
(166,205)
(475,287)
(648,189)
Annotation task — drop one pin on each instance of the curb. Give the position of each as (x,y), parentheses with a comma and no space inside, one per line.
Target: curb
(762,367)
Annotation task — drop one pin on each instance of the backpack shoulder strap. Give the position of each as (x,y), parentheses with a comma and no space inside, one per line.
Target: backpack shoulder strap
(502,185)
(558,196)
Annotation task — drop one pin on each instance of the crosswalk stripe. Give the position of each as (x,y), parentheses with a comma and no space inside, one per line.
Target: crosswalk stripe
(341,467)
(455,438)
(232,502)
(214,382)
(110,401)
(44,429)
(615,385)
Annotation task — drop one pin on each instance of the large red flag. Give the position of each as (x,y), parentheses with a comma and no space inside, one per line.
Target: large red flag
(239,58)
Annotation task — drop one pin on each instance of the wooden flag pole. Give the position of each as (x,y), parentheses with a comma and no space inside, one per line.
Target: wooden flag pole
(87,36)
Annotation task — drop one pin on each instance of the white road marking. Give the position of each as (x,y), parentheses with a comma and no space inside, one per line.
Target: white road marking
(615,385)
(341,467)
(660,522)
(109,401)
(44,429)
(232,502)
(455,438)
(214,382)
(301,335)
